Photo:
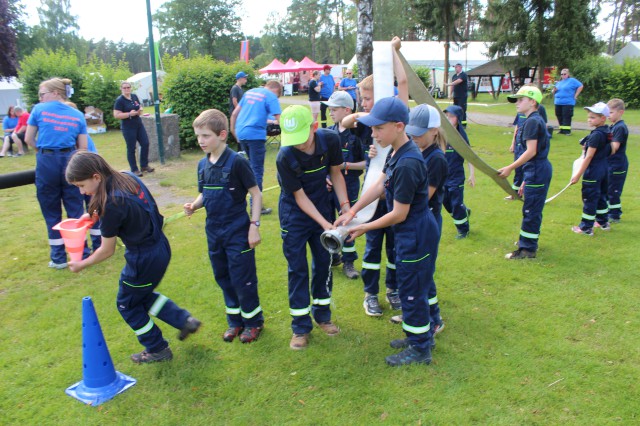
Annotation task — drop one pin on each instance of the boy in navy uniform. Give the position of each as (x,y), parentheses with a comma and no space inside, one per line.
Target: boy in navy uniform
(340,104)
(596,149)
(307,156)
(533,140)
(415,229)
(224,178)
(617,161)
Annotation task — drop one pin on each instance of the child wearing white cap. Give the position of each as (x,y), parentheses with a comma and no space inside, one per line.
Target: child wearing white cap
(595,150)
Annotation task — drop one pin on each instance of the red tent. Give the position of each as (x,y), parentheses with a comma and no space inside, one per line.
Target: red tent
(273,68)
(308,65)
(291,66)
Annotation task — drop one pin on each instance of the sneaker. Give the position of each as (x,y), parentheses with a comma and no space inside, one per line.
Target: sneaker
(462,235)
(265,211)
(148,169)
(509,198)
(191,326)
(371,306)
(336,259)
(579,230)
(231,333)
(521,254)
(54,265)
(138,173)
(396,319)
(350,271)
(250,334)
(409,356)
(605,227)
(438,327)
(394,300)
(299,341)
(145,357)
(404,343)
(329,328)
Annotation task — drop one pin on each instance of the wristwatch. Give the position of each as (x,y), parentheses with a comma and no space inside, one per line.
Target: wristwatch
(256,223)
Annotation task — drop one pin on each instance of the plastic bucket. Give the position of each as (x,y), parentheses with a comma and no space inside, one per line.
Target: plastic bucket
(74,234)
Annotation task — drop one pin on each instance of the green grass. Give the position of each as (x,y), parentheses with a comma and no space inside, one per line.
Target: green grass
(547,341)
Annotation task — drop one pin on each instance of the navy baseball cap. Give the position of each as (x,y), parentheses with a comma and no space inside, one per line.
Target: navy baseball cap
(386,110)
(241,74)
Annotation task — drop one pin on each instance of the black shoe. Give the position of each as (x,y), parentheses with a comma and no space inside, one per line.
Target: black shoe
(394,300)
(438,326)
(336,259)
(266,211)
(462,235)
(409,356)
(191,326)
(371,306)
(350,271)
(404,343)
(521,254)
(145,357)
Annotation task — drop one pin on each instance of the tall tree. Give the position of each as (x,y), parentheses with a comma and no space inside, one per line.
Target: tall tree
(364,38)
(59,25)
(8,42)
(573,31)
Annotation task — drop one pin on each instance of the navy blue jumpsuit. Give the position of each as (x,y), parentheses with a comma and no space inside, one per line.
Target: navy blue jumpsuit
(224,186)
(298,170)
(437,175)
(352,152)
(415,240)
(536,174)
(136,220)
(618,167)
(454,187)
(594,180)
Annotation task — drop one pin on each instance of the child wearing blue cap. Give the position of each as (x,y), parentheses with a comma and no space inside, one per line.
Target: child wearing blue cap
(406,186)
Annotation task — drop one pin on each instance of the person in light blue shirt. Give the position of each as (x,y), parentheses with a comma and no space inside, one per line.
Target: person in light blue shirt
(327,85)
(249,124)
(566,92)
(349,84)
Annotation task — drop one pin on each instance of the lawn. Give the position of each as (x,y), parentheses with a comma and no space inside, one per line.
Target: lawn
(543,341)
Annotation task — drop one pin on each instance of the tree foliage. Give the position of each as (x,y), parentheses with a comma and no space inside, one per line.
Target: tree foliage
(101,86)
(59,25)
(8,43)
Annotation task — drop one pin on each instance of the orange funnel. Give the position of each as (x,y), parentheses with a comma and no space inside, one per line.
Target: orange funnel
(74,234)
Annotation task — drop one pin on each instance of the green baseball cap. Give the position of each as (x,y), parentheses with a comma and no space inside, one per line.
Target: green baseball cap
(295,122)
(527,92)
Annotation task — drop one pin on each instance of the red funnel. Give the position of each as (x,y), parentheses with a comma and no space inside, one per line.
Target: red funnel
(74,234)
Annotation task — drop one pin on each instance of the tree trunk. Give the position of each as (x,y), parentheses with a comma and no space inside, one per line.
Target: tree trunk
(364,38)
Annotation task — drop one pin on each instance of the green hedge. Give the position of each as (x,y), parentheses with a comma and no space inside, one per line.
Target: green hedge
(102,87)
(196,84)
(624,83)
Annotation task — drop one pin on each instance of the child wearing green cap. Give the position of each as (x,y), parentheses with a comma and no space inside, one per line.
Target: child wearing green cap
(307,156)
(533,142)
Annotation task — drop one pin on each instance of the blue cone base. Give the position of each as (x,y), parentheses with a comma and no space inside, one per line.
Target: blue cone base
(96,396)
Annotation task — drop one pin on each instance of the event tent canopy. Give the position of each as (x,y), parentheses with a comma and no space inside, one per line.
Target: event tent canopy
(273,68)
(307,64)
(290,66)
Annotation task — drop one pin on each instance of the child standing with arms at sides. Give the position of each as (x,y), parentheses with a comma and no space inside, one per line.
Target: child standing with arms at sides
(127,210)
(617,162)
(454,187)
(224,178)
(536,168)
(595,150)
(340,104)
(307,156)
(415,229)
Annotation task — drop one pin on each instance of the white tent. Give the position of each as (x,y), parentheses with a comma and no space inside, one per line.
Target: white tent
(10,95)
(631,50)
(142,85)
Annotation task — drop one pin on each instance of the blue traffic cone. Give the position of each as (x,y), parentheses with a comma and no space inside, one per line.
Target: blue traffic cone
(100,381)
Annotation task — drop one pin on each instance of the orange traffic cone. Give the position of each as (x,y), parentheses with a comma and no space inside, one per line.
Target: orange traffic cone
(100,381)
(74,234)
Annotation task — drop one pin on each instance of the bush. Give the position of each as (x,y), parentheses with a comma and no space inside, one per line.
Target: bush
(196,84)
(624,83)
(102,87)
(594,73)
(424,74)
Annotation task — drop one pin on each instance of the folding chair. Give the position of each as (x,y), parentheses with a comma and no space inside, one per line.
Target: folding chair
(273,135)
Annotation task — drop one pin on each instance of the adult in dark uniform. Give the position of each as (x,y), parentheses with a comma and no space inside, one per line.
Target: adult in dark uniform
(460,81)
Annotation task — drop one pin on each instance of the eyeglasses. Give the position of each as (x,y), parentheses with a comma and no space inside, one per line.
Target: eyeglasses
(563,73)
(41,94)
(348,73)
(126,87)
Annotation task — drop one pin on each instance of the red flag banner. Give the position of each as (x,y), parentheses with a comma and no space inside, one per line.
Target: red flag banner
(244,51)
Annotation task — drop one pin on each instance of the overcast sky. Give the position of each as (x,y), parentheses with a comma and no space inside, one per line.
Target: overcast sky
(127,19)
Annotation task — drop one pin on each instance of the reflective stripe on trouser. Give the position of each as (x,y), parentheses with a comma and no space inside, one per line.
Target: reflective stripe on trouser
(349,253)
(534,197)
(52,191)
(594,199)
(564,113)
(234,269)
(371,260)
(614,192)
(432,292)
(294,243)
(453,202)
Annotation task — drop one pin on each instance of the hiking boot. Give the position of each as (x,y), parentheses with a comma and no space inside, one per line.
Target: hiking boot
(329,328)
(605,227)
(55,265)
(371,306)
(191,326)
(336,259)
(404,343)
(578,230)
(520,254)
(299,341)
(396,319)
(250,334)
(409,356)
(350,271)
(394,300)
(145,357)
(231,333)
(266,211)
(438,326)
(148,169)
